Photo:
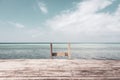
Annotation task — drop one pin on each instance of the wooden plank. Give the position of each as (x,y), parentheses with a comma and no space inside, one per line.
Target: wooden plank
(61,78)
(32,69)
(60,54)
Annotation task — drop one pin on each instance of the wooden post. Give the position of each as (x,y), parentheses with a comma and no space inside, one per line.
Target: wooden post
(69,51)
(51,50)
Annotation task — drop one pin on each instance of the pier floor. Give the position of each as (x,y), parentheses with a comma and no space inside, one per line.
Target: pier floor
(59,69)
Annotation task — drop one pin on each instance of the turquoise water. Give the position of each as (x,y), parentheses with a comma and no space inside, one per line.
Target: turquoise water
(42,51)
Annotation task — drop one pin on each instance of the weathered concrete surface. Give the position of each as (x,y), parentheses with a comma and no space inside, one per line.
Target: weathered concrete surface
(62,69)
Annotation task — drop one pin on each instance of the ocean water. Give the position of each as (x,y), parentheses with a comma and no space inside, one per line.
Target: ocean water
(42,51)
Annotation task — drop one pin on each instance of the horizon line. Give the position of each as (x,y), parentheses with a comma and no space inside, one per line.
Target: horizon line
(59,42)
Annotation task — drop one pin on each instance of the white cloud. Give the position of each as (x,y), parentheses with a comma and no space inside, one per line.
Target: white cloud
(86,24)
(91,6)
(18,25)
(42,7)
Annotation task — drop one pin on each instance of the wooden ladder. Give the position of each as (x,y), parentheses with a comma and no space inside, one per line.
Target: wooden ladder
(68,53)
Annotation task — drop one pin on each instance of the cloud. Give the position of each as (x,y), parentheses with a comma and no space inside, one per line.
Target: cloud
(42,7)
(92,6)
(86,23)
(18,25)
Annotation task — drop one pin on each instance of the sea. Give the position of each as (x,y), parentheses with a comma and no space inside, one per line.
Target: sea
(102,51)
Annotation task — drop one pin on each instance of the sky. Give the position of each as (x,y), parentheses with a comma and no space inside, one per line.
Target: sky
(59,20)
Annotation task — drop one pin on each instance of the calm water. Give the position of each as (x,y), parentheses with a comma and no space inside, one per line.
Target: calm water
(42,51)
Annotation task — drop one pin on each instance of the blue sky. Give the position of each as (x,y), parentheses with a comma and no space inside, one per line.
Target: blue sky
(59,20)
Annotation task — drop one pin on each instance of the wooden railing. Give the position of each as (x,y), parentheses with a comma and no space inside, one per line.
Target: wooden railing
(67,53)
